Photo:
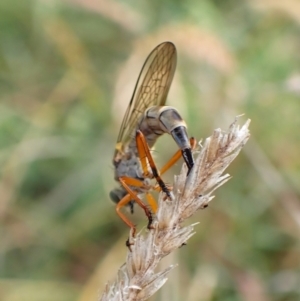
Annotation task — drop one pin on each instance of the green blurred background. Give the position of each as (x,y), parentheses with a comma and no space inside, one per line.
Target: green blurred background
(67,72)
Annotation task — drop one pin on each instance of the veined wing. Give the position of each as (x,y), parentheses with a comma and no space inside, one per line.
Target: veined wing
(151,89)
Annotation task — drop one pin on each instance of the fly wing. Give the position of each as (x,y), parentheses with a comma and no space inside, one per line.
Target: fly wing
(151,89)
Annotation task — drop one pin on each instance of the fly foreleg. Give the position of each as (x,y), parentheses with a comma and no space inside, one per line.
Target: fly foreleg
(144,155)
(177,156)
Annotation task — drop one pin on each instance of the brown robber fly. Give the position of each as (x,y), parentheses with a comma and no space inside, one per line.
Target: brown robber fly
(146,119)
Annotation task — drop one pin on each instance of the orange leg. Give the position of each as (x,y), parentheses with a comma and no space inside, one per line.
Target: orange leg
(171,162)
(193,143)
(142,148)
(144,152)
(132,182)
(152,202)
(144,155)
(137,183)
(177,156)
(126,199)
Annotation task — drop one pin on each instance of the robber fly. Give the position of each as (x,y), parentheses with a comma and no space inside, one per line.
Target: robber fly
(146,119)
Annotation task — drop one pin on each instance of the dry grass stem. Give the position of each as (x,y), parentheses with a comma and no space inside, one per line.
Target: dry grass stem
(138,279)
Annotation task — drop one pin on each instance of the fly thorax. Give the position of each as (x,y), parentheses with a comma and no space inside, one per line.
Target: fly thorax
(129,166)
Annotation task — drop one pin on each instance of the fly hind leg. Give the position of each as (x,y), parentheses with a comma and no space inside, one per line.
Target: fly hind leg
(125,181)
(131,195)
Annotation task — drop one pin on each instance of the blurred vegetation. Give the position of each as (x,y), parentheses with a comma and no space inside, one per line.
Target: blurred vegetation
(67,71)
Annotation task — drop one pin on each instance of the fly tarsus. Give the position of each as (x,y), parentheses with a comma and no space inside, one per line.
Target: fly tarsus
(128,244)
(164,188)
(150,221)
(130,240)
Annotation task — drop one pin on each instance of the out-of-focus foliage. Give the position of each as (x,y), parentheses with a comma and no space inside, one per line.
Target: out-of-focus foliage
(67,71)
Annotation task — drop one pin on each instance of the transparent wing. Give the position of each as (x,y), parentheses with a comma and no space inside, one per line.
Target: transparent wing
(152,87)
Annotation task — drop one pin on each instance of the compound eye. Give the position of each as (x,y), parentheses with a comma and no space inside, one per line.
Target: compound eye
(117,194)
(114,197)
